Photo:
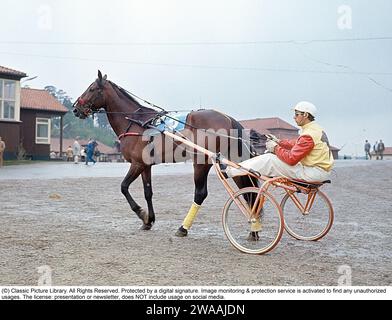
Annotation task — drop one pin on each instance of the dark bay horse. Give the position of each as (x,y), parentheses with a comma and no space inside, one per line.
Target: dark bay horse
(126,116)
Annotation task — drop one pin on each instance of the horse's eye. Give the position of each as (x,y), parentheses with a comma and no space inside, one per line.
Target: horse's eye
(92,89)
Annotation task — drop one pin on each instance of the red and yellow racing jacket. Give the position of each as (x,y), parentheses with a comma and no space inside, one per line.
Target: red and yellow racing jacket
(311,148)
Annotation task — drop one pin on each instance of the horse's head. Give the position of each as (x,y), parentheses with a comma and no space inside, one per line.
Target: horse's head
(92,99)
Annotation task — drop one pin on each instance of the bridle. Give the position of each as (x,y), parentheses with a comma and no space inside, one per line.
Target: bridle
(86,108)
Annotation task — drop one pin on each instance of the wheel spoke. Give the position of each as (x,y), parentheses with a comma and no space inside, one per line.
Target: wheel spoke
(312,224)
(257,234)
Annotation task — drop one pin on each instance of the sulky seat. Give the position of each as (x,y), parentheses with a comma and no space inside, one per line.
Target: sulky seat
(309,184)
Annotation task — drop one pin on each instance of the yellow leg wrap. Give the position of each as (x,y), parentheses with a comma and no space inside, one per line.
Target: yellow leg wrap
(190,217)
(255,225)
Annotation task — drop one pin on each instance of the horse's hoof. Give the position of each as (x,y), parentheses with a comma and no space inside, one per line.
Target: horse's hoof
(181,232)
(253,236)
(143,215)
(146,227)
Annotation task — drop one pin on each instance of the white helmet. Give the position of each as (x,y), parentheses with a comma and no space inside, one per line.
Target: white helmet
(305,106)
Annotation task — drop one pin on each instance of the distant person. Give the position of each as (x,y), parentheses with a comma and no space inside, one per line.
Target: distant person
(2,148)
(375,150)
(117,146)
(368,146)
(83,154)
(52,155)
(90,151)
(380,149)
(76,150)
(97,154)
(69,153)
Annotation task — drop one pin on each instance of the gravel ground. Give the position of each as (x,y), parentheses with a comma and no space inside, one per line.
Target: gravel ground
(84,230)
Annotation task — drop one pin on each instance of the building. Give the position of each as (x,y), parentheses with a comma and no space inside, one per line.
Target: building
(10,124)
(26,117)
(387,154)
(38,107)
(276,126)
(106,153)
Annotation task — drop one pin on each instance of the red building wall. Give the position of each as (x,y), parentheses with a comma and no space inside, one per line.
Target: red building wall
(10,134)
(33,150)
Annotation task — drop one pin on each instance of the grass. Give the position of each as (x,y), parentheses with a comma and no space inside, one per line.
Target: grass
(18,162)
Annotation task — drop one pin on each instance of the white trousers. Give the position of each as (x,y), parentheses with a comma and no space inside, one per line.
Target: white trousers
(271,166)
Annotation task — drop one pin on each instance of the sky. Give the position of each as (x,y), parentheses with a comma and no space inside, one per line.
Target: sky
(247,58)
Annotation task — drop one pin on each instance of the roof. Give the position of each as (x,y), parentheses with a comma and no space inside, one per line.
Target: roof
(11,72)
(37,99)
(55,145)
(275,126)
(263,124)
(388,150)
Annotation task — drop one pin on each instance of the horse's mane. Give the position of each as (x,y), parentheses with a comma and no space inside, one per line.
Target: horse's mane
(125,93)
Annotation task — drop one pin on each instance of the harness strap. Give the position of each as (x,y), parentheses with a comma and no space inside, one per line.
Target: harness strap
(130,134)
(140,123)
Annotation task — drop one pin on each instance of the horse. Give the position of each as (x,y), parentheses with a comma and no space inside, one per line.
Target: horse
(131,122)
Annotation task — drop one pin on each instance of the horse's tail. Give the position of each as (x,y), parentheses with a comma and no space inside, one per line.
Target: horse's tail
(244,142)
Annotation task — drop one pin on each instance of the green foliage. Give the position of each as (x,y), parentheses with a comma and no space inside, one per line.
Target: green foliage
(74,127)
(18,162)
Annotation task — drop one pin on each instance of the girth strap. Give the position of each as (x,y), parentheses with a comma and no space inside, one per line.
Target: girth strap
(130,134)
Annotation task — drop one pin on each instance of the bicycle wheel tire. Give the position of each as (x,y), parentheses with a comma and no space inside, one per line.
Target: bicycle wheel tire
(237,224)
(311,226)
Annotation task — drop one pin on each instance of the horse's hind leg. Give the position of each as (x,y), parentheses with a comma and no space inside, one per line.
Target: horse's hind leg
(146,176)
(200,178)
(243,182)
(132,174)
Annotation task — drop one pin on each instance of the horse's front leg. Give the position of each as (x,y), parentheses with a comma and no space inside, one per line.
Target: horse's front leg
(133,173)
(146,176)
(200,178)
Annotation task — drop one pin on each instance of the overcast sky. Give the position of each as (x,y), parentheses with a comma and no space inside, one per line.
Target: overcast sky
(233,55)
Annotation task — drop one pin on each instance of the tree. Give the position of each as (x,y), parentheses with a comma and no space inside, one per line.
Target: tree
(103,121)
(74,127)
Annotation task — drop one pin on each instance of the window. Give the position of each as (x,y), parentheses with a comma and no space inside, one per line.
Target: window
(7,99)
(42,131)
(9,90)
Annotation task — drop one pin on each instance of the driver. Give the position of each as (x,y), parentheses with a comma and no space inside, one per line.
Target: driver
(307,158)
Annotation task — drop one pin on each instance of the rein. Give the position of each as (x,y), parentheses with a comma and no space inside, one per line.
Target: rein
(164,113)
(137,97)
(88,111)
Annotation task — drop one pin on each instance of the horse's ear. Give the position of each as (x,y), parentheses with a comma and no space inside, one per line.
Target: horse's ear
(101,79)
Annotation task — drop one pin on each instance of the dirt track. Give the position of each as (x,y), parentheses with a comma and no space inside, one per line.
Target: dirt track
(90,237)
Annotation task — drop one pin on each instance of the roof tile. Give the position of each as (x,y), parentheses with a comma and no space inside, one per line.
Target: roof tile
(11,72)
(40,100)
(266,124)
(270,125)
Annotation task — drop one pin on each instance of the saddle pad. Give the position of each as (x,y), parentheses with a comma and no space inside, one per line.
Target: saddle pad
(172,121)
